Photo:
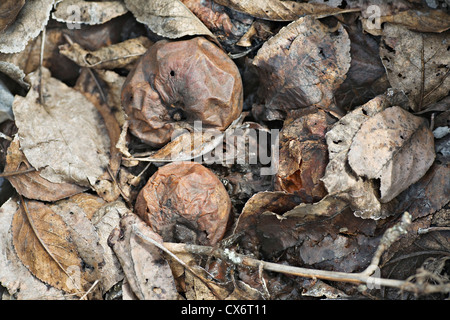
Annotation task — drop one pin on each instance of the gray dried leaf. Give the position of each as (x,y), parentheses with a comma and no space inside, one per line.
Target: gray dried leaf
(339,180)
(88,12)
(147,272)
(168,18)
(30,21)
(114,56)
(277,10)
(417,64)
(14,276)
(395,147)
(65,137)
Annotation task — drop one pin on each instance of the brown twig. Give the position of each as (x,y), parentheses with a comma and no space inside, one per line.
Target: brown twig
(16,173)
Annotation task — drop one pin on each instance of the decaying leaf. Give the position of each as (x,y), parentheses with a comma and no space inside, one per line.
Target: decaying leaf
(14,276)
(88,12)
(50,256)
(148,273)
(378,145)
(303,155)
(302,66)
(30,21)
(416,63)
(277,10)
(168,18)
(114,56)
(338,179)
(395,147)
(65,136)
(31,185)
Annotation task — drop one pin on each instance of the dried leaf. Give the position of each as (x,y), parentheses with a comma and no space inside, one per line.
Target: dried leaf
(339,179)
(114,56)
(281,10)
(105,220)
(65,137)
(30,21)
(423,21)
(14,276)
(145,268)
(88,12)
(303,155)
(50,256)
(31,185)
(302,66)
(168,18)
(417,64)
(395,147)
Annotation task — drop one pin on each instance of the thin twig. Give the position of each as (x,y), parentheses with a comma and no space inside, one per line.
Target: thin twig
(16,173)
(41,62)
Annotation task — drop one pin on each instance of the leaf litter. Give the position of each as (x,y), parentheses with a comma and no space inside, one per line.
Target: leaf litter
(360,191)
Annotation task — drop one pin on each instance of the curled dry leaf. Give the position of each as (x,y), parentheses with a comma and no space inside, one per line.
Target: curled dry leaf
(147,272)
(417,64)
(185,201)
(9,9)
(178,82)
(338,178)
(30,21)
(88,12)
(387,152)
(277,10)
(47,133)
(168,18)
(114,56)
(303,155)
(395,147)
(31,185)
(302,66)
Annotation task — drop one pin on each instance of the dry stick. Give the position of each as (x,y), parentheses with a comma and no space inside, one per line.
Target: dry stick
(15,173)
(364,277)
(41,61)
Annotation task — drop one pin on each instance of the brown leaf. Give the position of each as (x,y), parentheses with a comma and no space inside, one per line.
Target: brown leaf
(14,276)
(31,185)
(395,147)
(147,272)
(303,155)
(281,10)
(302,66)
(168,18)
(118,55)
(417,64)
(185,201)
(42,242)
